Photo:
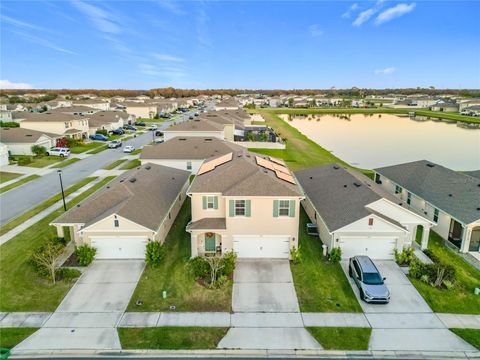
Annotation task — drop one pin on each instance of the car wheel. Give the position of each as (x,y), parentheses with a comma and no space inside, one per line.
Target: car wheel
(61,155)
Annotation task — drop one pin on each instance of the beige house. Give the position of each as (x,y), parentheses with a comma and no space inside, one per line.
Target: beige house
(96,104)
(20,141)
(121,218)
(107,120)
(227,104)
(140,110)
(244,203)
(74,126)
(195,127)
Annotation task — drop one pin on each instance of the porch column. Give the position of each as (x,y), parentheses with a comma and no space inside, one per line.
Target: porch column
(194,245)
(425,236)
(60,232)
(466,236)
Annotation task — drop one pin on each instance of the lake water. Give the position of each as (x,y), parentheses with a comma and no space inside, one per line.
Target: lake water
(371,141)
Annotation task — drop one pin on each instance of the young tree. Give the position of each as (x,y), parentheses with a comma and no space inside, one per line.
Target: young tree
(46,258)
(216,265)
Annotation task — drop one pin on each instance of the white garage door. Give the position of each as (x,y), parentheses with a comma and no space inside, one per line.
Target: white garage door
(380,248)
(262,246)
(119,247)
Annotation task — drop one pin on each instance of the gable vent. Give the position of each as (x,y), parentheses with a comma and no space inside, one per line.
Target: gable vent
(431,165)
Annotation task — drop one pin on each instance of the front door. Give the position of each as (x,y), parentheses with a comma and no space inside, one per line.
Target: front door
(455,233)
(475,240)
(210,242)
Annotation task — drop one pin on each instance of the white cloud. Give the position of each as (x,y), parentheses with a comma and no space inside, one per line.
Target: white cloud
(365,15)
(10,85)
(167,57)
(101,19)
(394,12)
(171,6)
(315,30)
(44,42)
(20,23)
(351,9)
(386,71)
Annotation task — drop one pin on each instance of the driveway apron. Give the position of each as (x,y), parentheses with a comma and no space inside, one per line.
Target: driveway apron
(87,317)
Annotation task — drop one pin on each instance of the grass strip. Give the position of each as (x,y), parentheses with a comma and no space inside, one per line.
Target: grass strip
(341,338)
(472,336)
(10,337)
(18,183)
(131,164)
(66,163)
(114,164)
(98,149)
(7,176)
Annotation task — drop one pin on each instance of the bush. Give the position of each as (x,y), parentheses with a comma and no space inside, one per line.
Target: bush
(39,150)
(405,257)
(154,253)
(214,270)
(431,255)
(73,142)
(437,275)
(199,267)
(85,254)
(24,160)
(67,274)
(335,255)
(102,131)
(228,260)
(296,255)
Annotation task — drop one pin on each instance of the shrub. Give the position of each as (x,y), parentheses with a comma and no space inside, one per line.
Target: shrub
(24,160)
(60,240)
(213,270)
(199,267)
(431,255)
(39,150)
(438,275)
(228,259)
(335,255)
(85,254)
(154,253)
(67,274)
(405,257)
(102,131)
(296,255)
(73,142)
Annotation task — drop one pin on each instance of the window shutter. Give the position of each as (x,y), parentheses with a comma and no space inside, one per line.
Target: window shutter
(231,206)
(204,202)
(275,208)
(292,208)
(247,208)
(215,202)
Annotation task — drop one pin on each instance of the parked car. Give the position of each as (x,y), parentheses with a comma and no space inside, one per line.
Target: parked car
(58,151)
(99,137)
(115,144)
(153,127)
(158,133)
(196,114)
(129,149)
(158,141)
(140,123)
(117,132)
(368,280)
(190,117)
(130,127)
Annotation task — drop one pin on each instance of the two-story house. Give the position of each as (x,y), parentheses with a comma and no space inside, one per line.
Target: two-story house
(244,203)
(72,126)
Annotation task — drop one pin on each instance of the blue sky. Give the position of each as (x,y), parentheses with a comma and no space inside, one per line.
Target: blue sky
(226,44)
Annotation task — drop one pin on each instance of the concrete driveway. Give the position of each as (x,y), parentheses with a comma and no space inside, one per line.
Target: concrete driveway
(264,286)
(88,315)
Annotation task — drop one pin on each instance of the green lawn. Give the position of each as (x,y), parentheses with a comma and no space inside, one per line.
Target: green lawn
(9,337)
(341,338)
(472,336)
(174,276)
(171,338)
(66,163)
(461,299)
(137,151)
(300,151)
(320,285)
(131,164)
(47,203)
(40,161)
(114,164)
(85,147)
(7,176)
(98,149)
(18,183)
(21,288)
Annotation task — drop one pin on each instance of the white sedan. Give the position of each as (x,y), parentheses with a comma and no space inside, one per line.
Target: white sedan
(129,149)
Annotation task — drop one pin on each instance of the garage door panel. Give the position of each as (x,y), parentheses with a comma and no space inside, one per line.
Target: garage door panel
(262,246)
(119,247)
(380,248)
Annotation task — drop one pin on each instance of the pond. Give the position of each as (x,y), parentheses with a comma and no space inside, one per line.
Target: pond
(375,140)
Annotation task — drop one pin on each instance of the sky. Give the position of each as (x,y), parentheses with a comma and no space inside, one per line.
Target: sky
(233,44)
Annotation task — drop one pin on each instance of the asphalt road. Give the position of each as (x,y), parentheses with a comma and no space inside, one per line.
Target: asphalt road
(21,199)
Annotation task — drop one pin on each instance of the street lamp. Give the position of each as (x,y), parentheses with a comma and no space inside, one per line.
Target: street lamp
(61,187)
(153,136)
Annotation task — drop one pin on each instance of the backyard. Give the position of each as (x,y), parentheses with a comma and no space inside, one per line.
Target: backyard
(174,277)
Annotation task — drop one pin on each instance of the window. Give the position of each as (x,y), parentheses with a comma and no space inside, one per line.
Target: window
(189,165)
(210,202)
(116,223)
(66,125)
(398,189)
(409,198)
(239,207)
(435,215)
(284,208)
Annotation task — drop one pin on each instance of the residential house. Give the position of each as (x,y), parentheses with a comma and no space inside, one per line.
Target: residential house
(72,126)
(186,153)
(473,110)
(20,141)
(354,214)
(244,203)
(445,105)
(463,104)
(6,116)
(449,198)
(121,218)
(107,120)
(77,110)
(227,104)
(93,103)
(195,127)
(139,110)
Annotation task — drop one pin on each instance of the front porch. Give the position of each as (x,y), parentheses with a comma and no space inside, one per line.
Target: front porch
(207,237)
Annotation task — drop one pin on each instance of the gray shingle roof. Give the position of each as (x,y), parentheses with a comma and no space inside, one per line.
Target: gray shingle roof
(208,224)
(196,125)
(145,201)
(455,193)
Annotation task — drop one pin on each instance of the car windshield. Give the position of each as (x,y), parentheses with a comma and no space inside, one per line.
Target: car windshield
(372,279)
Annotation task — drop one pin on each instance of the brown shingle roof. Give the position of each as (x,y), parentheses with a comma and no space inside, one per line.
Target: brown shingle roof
(208,224)
(145,201)
(196,125)
(104,117)
(50,116)
(21,135)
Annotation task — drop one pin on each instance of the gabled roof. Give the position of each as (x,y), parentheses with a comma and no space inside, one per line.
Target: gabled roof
(242,176)
(196,125)
(143,195)
(49,116)
(21,135)
(455,193)
(105,117)
(193,147)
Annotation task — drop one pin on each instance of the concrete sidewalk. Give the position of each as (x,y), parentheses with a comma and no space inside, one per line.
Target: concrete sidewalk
(17,230)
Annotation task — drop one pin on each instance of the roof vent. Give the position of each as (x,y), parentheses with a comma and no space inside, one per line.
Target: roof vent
(148,167)
(344,186)
(208,139)
(132,180)
(122,180)
(336,167)
(357,184)
(311,177)
(239,155)
(108,187)
(78,205)
(478,209)
(431,165)
(450,195)
(182,139)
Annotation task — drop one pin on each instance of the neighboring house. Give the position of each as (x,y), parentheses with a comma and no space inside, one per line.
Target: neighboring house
(244,203)
(449,198)
(3,154)
(463,104)
(55,104)
(107,120)
(96,104)
(195,127)
(356,215)
(55,122)
(77,110)
(6,116)
(20,141)
(119,219)
(445,105)
(186,153)
(140,110)
(473,110)
(227,104)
